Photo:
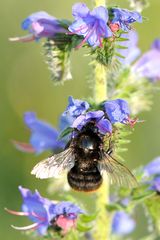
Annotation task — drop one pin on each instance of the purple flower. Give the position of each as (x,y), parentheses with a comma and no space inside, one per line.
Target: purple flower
(132,51)
(152,168)
(39,25)
(92,25)
(148,64)
(151,175)
(65,121)
(124,18)
(65,215)
(75,107)
(104,126)
(122,223)
(117,110)
(67,209)
(36,208)
(43,136)
(155,184)
(44,213)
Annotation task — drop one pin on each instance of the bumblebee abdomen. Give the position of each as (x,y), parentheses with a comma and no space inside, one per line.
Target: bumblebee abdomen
(85,181)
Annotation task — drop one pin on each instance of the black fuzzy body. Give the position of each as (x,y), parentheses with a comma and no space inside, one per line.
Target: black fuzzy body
(85,176)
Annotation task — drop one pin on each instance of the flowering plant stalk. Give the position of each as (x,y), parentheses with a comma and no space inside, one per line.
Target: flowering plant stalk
(88,143)
(100,94)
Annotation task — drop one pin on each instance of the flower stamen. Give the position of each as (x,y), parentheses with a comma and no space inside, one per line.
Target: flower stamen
(88,35)
(16,213)
(33,226)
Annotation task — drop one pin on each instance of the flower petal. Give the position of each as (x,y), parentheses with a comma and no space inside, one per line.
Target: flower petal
(122,224)
(79,122)
(156,44)
(35,17)
(43,136)
(153,167)
(117,110)
(94,115)
(100,13)
(80,10)
(104,126)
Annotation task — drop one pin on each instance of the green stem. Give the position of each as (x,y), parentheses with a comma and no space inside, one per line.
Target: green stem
(100,85)
(99,3)
(102,228)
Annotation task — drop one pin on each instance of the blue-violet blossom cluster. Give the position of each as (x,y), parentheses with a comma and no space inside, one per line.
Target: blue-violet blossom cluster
(93,26)
(111,112)
(77,114)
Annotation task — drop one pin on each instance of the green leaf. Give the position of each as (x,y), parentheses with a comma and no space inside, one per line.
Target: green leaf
(144,196)
(115,207)
(88,218)
(153,207)
(82,228)
(65,132)
(119,55)
(121,47)
(120,39)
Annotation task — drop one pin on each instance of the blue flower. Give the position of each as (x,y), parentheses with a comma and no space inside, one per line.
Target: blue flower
(65,215)
(151,175)
(124,18)
(122,223)
(92,25)
(67,209)
(155,184)
(44,213)
(131,52)
(152,168)
(117,110)
(97,117)
(43,136)
(148,64)
(36,208)
(75,108)
(39,25)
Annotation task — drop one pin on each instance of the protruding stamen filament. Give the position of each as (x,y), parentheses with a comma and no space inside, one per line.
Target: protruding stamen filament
(88,35)
(78,30)
(24,147)
(27,38)
(33,226)
(38,216)
(16,213)
(132,122)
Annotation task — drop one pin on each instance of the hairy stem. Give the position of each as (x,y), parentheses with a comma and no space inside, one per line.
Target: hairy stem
(99,3)
(102,228)
(100,85)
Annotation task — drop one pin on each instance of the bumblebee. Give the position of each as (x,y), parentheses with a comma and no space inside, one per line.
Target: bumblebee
(85,159)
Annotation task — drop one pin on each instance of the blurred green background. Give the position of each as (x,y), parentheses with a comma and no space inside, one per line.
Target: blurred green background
(25,85)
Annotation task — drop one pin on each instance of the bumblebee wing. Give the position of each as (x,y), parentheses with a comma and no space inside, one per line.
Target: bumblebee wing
(55,165)
(117,172)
